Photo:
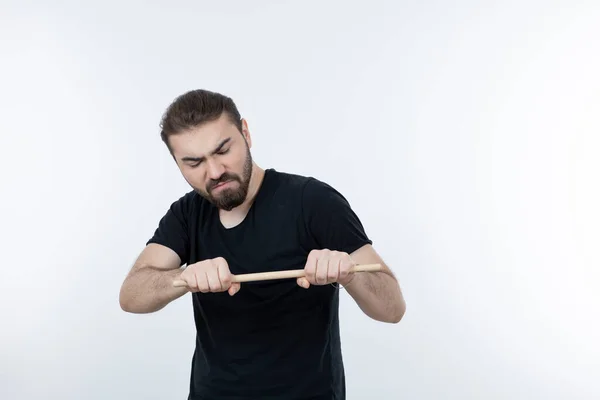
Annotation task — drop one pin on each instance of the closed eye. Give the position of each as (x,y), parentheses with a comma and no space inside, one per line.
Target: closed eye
(194,162)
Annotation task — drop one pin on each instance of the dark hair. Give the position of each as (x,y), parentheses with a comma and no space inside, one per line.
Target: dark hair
(194,108)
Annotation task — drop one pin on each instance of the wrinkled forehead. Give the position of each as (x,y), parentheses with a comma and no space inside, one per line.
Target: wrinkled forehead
(203,140)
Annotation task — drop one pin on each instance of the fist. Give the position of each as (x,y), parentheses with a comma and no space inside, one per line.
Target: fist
(210,276)
(327,266)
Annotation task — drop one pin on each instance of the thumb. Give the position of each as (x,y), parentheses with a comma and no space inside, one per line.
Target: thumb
(303,282)
(233,289)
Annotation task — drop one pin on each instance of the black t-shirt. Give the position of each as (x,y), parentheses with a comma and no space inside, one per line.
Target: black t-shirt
(272,339)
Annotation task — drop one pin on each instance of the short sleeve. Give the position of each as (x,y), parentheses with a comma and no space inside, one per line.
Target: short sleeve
(330,220)
(172,230)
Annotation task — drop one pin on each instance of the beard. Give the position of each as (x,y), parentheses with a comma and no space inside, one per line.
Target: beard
(228,199)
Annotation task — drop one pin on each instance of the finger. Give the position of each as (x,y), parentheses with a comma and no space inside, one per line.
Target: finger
(234,288)
(214,284)
(310,268)
(202,280)
(333,269)
(224,274)
(303,282)
(321,274)
(213,274)
(345,266)
(190,281)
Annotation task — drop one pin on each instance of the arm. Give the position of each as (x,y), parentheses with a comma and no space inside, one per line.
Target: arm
(339,240)
(377,294)
(148,286)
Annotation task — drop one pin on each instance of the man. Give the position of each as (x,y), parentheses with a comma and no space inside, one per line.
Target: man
(261,340)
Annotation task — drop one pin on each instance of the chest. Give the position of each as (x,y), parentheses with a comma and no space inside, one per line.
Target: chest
(270,238)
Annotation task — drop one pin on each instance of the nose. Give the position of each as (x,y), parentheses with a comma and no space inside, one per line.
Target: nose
(214,169)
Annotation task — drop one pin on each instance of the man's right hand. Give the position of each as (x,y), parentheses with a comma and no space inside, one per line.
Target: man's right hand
(210,276)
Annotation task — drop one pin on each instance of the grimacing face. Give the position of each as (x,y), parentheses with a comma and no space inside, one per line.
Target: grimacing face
(215,160)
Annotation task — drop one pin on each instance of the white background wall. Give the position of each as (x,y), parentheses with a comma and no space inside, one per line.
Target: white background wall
(465,134)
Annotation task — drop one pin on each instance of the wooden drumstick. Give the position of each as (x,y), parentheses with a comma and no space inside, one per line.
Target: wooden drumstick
(293,273)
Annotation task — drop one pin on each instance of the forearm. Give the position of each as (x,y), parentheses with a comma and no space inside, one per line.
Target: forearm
(149,289)
(378,295)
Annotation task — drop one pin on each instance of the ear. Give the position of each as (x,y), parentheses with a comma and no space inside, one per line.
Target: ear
(246,133)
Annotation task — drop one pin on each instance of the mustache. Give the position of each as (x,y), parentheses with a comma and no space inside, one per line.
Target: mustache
(223,178)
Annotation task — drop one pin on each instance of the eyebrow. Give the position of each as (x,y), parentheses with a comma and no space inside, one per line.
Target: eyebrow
(216,150)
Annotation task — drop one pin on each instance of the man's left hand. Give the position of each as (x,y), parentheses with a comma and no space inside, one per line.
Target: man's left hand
(327,266)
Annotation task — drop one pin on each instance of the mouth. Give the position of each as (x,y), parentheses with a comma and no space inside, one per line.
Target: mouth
(220,185)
